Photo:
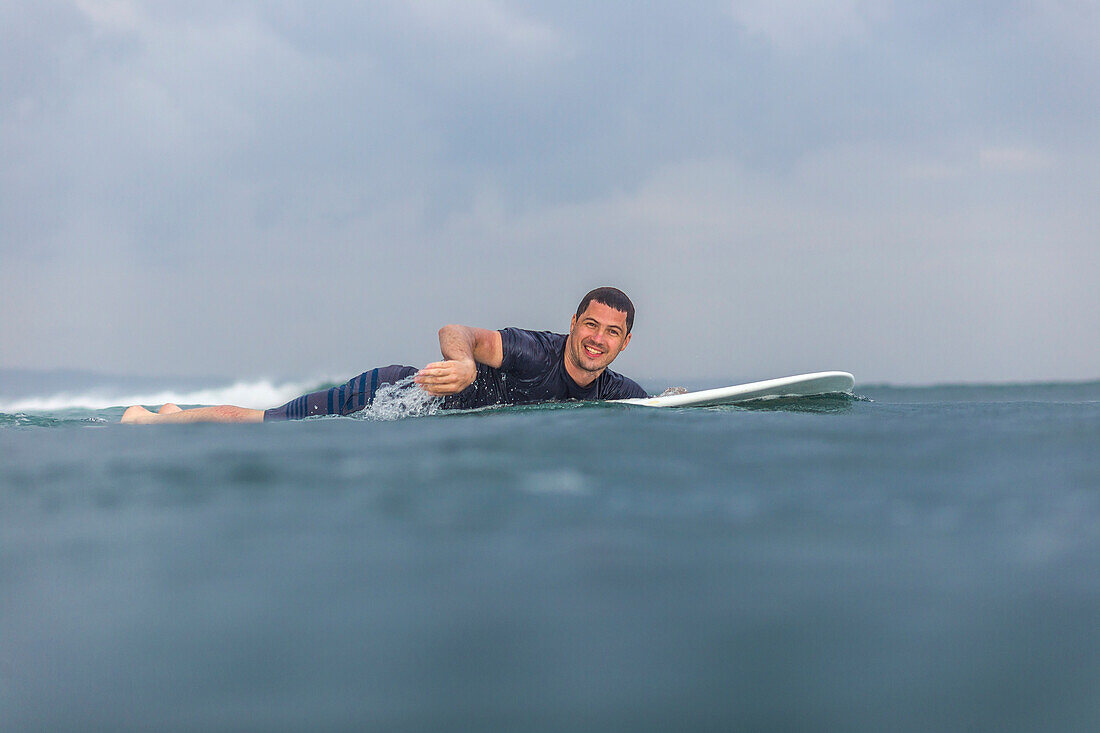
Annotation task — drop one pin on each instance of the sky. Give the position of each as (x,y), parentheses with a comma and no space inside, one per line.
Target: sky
(906,190)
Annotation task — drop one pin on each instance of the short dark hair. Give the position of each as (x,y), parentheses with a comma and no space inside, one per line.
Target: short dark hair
(612,298)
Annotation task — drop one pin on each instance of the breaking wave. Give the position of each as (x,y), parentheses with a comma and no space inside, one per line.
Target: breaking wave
(259,394)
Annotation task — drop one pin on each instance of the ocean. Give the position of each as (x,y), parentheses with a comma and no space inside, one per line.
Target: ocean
(908,559)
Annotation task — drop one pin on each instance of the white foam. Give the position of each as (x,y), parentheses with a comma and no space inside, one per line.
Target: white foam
(258,394)
(400,400)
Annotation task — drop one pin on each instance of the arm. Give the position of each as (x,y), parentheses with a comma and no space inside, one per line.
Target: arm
(463,348)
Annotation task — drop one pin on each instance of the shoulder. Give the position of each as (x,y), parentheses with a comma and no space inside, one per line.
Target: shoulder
(522,347)
(618,387)
(524,336)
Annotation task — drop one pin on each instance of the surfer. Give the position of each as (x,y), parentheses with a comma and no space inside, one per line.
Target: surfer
(479,368)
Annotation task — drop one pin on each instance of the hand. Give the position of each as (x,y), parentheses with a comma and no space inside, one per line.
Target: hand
(447,377)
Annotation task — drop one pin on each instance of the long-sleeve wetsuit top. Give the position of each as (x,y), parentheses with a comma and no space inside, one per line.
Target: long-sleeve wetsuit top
(532,370)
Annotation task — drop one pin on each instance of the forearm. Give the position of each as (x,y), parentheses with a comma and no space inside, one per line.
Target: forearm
(471,345)
(457,343)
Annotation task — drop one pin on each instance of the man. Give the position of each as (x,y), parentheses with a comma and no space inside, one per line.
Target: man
(479,368)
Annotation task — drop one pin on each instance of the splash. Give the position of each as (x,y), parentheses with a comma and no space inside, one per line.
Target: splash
(400,400)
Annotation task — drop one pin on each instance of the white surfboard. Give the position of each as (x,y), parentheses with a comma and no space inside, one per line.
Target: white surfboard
(801,385)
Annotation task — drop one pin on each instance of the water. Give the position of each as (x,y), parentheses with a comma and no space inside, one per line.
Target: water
(927,559)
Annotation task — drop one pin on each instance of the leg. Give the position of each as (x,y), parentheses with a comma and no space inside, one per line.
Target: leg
(138,415)
(354,395)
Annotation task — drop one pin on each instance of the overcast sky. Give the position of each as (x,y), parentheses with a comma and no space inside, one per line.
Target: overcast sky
(906,190)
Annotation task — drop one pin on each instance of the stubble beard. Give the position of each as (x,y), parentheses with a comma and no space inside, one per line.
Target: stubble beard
(577,356)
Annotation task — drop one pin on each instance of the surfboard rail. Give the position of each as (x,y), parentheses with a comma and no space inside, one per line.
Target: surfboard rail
(800,385)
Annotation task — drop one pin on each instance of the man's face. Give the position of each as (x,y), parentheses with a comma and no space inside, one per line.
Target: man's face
(596,337)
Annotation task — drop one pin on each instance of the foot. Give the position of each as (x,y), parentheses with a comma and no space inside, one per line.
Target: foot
(138,415)
(169,408)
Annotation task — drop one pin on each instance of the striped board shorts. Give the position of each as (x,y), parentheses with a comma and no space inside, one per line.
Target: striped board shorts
(352,396)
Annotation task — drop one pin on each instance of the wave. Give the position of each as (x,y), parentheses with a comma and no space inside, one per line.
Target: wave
(259,394)
(22,420)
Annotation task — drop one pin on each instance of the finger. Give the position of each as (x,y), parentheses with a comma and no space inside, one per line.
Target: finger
(435,378)
(447,384)
(432,369)
(437,368)
(440,389)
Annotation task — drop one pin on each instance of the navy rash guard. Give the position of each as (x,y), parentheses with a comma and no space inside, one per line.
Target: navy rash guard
(532,370)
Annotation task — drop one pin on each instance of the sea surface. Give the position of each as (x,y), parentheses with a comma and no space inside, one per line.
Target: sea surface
(909,559)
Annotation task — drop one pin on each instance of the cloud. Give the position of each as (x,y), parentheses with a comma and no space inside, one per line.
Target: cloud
(896,277)
(794,25)
(111,16)
(1014,159)
(1071,26)
(489,21)
(301,190)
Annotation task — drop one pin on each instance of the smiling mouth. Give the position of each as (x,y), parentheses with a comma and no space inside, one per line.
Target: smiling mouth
(592,352)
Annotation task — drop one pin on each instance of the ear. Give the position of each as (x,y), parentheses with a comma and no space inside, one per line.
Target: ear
(572,323)
(625,342)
